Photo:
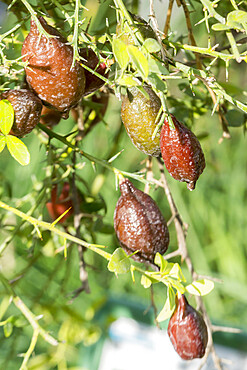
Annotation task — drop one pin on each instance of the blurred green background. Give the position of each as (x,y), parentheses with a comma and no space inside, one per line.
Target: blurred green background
(217,234)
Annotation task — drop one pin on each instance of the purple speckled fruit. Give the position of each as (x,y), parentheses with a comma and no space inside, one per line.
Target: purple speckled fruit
(182,153)
(139,224)
(187,331)
(49,72)
(27,108)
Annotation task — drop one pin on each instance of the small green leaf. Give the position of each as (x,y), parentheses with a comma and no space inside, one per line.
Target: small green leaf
(6,116)
(236,18)
(2,143)
(176,284)
(176,272)
(160,261)
(151,45)
(119,262)
(128,80)
(156,67)
(138,59)
(169,306)
(119,49)
(220,27)
(8,329)
(200,287)
(157,81)
(18,150)
(145,281)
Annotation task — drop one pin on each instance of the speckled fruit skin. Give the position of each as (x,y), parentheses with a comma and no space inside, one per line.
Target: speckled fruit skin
(59,204)
(138,115)
(182,153)
(49,71)
(187,331)
(93,82)
(139,224)
(27,108)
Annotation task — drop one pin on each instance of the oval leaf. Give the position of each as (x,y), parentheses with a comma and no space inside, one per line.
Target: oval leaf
(139,60)
(2,143)
(18,150)
(128,80)
(119,49)
(119,262)
(200,287)
(6,116)
(220,27)
(152,45)
(168,308)
(145,281)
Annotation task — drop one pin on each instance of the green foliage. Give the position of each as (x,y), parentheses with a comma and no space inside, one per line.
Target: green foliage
(40,272)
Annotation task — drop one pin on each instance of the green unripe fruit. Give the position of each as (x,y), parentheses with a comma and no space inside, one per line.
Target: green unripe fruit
(139,118)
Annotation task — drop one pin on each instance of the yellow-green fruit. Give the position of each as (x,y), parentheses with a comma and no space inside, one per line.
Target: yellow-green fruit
(122,30)
(139,118)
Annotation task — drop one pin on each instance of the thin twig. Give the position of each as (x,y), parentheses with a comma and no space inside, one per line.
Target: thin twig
(168,17)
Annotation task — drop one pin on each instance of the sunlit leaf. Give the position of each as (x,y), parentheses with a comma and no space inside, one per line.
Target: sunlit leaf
(119,262)
(155,66)
(8,329)
(18,150)
(138,59)
(176,272)
(119,49)
(6,116)
(151,45)
(128,80)
(220,27)
(145,281)
(168,308)
(2,143)
(200,287)
(160,261)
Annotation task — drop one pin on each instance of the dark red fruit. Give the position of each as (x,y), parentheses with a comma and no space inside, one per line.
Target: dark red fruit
(187,331)
(50,117)
(27,108)
(139,224)
(182,153)
(60,203)
(91,60)
(49,72)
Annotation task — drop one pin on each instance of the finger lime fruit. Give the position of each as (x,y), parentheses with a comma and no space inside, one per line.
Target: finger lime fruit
(60,203)
(91,60)
(187,331)
(122,30)
(139,224)
(139,115)
(181,152)
(50,71)
(27,108)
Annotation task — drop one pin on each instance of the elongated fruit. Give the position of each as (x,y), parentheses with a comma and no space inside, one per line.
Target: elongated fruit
(182,153)
(50,72)
(139,116)
(139,224)
(27,108)
(60,203)
(187,331)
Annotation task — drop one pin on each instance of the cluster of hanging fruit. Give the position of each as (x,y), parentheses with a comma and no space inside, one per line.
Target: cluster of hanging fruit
(55,84)
(139,224)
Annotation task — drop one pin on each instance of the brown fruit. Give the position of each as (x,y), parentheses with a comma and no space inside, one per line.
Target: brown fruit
(182,153)
(59,204)
(139,224)
(49,72)
(27,108)
(187,331)
(93,82)
(50,117)
(139,115)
